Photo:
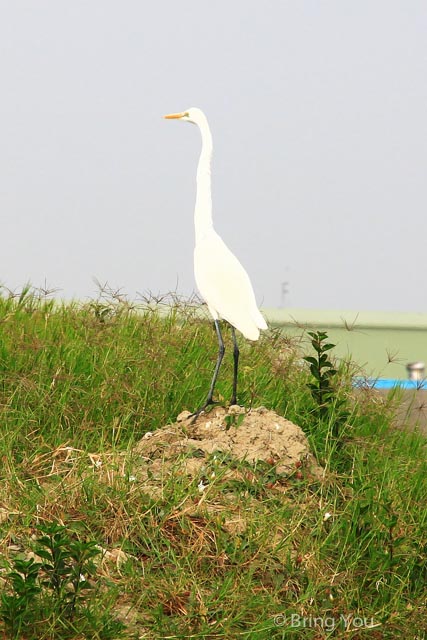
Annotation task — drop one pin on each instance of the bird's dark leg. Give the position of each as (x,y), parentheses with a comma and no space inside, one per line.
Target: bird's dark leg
(221,351)
(236,366)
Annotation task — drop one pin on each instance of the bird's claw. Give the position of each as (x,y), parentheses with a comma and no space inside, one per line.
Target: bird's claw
(209,403)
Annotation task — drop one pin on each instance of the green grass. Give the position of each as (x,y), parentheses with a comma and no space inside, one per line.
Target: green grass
(80,385)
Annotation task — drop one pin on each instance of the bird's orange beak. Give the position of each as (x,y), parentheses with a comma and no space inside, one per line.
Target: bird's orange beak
(172,116)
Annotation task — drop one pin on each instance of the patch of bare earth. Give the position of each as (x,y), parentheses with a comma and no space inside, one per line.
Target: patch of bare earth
(251,436)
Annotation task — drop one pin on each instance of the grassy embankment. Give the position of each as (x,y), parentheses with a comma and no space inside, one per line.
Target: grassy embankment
(341,556)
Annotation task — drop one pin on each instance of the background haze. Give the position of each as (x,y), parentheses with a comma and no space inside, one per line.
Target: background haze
(318,114)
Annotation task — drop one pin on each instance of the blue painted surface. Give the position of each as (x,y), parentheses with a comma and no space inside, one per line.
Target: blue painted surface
(386,383)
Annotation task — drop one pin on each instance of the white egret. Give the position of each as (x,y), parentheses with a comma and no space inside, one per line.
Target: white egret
(220,278)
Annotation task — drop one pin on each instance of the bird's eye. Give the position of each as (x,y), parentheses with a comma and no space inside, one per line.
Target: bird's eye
(186,114)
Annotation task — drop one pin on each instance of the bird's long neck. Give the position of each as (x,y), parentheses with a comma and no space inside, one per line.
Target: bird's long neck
(203,211)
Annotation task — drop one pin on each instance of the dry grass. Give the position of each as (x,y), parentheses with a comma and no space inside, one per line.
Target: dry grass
(80,386)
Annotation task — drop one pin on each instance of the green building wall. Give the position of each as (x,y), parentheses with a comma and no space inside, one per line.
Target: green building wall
(382,343)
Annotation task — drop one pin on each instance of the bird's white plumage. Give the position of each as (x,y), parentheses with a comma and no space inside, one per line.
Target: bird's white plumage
(225,286)
(220,278)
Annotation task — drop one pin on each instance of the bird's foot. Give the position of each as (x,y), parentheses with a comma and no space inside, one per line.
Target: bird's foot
(235,408)
(209,403)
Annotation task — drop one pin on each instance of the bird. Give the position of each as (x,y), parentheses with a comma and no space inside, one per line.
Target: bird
(220,278)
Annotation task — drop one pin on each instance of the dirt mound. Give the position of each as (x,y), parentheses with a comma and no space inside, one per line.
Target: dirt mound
(257,434)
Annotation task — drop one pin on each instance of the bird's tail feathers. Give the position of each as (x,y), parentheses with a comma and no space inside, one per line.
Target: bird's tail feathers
(251,328)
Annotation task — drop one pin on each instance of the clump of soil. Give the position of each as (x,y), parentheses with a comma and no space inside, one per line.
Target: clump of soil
(257,434)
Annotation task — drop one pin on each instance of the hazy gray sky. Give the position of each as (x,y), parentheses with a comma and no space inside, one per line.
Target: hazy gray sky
(318,111)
